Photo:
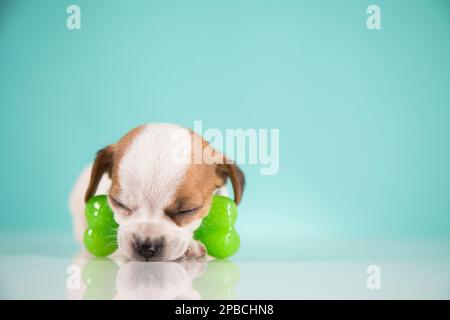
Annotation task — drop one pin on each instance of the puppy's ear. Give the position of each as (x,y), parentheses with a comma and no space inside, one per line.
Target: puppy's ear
(230,169)
(102,164)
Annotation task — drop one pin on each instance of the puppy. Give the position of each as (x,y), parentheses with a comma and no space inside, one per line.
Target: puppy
(158,190)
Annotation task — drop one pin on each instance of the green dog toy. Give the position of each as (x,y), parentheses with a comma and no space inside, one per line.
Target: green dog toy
(216,232)
(100,238)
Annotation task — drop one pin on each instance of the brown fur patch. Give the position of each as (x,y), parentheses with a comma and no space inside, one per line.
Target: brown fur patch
(196,190)
(197,187)
(107,161)
(102,164)
(201,180)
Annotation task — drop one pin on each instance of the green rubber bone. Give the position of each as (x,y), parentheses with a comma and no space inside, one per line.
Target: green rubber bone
(100,238)
(216,231)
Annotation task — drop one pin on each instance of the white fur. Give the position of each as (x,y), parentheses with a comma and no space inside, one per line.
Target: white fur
(149,177)
(147,173)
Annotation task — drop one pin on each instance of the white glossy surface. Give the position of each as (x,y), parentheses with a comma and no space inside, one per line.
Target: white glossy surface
(53,267)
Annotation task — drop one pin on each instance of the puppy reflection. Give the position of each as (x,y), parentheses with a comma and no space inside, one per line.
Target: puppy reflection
(158,280)
(105,279)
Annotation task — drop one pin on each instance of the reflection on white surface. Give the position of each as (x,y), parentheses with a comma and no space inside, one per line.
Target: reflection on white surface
(38,277)
(103,278)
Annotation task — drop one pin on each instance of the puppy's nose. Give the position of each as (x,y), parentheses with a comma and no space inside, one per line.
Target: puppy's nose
(149,249)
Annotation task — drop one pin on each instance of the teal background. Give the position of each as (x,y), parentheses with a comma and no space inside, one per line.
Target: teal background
(363,115)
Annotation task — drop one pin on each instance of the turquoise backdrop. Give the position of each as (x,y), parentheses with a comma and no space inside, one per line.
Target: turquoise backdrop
(364,115)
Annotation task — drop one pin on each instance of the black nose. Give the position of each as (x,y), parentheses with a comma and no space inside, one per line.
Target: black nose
(149,248)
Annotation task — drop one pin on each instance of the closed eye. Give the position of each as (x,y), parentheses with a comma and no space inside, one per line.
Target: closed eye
(186,211)
(119,204)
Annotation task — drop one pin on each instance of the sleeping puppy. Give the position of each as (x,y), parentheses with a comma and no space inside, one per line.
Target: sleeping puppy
(160,179)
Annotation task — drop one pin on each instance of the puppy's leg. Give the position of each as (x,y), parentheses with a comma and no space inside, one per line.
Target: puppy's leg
(195,250)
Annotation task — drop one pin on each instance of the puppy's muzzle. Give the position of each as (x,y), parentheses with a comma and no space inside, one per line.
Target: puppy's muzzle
(149,248)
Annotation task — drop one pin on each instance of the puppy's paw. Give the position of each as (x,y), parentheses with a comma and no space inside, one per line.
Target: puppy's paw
(195,250)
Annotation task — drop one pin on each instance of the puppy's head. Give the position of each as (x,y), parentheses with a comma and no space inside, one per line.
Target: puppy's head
(159,193)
